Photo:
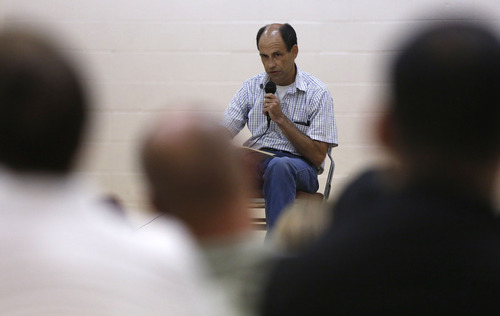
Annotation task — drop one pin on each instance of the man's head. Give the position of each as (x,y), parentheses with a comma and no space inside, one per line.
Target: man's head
(42,105)
(446,93)
(277,45)
(193,171)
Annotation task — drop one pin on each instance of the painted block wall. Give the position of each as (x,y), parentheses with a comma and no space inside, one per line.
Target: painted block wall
(141,58)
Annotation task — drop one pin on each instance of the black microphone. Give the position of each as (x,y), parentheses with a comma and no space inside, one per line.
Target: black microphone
(269,88)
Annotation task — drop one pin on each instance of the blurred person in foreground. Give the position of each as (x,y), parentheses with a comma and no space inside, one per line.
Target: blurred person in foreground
(195,174)
(296,122)
(423,238)
(301,224)
(63,251)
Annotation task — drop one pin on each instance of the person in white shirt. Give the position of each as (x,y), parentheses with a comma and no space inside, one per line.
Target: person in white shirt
(63,252)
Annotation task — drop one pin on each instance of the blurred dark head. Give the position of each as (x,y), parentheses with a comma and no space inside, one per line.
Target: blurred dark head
(446,91)
(42,105)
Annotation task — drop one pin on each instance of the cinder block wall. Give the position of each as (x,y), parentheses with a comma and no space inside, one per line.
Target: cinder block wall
(144,57)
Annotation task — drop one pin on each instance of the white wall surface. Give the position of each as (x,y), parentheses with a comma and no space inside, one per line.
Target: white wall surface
(143,57)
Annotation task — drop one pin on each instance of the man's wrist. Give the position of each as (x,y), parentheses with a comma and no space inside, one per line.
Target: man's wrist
(282,121)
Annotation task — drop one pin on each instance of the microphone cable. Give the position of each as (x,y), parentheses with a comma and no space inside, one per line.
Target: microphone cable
(255,141)
(269,88)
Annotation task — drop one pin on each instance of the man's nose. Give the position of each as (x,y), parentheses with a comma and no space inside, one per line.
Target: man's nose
(271,63)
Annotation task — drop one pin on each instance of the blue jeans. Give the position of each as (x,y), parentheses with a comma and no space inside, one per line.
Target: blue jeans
(283,175)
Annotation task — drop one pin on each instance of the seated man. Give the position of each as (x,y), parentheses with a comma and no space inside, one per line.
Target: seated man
(296,124)
(424,238)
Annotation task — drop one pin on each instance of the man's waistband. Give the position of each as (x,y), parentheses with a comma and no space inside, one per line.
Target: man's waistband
(280,151)
(287,153)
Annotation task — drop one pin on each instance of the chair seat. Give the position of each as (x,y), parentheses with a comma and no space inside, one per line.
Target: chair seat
(307,195)
(257,198)
(298,195)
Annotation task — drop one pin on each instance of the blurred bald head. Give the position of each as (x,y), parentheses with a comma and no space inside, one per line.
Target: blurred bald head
(191,166)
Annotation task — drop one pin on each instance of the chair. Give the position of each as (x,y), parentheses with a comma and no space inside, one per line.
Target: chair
(257,201)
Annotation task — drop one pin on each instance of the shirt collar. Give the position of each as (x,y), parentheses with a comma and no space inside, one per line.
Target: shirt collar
(300,83)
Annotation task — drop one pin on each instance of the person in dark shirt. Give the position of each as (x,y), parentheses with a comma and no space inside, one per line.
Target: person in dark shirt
(422,238)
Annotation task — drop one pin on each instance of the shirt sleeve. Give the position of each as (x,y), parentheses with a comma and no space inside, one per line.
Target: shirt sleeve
(236,115)
(323,126)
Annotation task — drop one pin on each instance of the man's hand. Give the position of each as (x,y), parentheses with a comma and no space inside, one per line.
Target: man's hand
(272,105)
(312,150)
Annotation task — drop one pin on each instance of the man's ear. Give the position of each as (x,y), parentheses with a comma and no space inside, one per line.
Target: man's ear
(157,204)
(386,130)
(295,50)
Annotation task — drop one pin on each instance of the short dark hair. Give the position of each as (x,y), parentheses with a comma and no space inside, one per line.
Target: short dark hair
(287,34)
(42,105)
(446,89)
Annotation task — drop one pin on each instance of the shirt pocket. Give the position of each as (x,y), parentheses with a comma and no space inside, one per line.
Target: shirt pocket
(300,118)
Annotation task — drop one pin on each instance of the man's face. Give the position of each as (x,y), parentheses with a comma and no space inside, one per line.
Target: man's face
(278,62)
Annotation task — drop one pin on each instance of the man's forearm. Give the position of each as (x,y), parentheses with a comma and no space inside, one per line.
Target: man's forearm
(312,150)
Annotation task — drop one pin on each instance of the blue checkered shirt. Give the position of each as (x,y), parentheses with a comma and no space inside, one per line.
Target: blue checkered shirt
(307,103)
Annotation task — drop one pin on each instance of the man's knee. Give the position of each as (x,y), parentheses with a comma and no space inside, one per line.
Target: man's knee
(280,165)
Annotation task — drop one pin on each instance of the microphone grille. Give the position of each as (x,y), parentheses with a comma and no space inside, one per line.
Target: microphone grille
(270,87)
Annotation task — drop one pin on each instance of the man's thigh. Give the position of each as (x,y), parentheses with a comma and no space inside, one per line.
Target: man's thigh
(293,169)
